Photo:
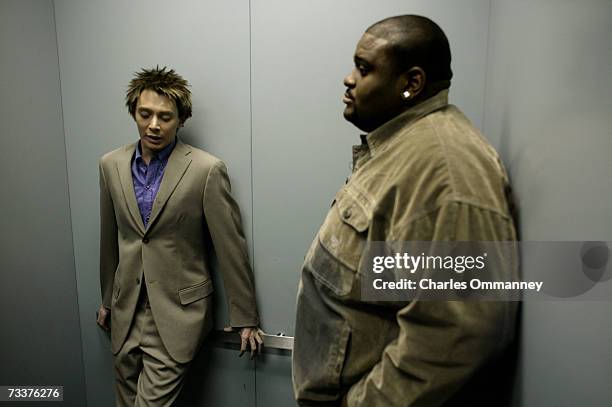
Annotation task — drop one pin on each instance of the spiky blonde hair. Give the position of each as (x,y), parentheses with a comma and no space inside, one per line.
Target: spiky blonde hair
(165,82)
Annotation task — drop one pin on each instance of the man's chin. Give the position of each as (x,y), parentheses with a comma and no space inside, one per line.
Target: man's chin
(348,114)
(351,117)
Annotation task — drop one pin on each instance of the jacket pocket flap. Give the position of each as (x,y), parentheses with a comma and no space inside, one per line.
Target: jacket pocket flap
(195,292)
(351,212)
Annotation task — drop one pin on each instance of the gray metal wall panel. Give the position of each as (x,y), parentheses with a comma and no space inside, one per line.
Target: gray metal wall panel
(230,382)
(301,51)
(274,380)
(40,341)
(100,45)
(548,111)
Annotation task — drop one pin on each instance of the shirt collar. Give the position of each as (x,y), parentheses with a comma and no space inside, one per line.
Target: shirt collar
(161,156)
(381,135)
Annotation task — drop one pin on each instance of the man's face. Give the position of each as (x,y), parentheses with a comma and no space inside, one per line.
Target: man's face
(157,120)
(373,94)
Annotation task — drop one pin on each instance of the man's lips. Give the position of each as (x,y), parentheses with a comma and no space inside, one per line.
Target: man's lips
(153,139)
(347,98)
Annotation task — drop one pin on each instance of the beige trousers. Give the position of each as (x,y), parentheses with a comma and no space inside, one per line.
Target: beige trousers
(145,374)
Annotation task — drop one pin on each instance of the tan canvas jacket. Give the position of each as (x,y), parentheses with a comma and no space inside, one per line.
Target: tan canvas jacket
(425,175)
(193,213)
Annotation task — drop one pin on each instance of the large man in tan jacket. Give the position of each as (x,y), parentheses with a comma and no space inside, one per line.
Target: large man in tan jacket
(422,172)
(164,207)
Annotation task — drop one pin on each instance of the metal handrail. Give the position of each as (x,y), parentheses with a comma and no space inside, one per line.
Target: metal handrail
(222,339)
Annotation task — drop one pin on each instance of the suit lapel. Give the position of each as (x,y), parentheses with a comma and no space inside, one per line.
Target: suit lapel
(175,169)
(124,167)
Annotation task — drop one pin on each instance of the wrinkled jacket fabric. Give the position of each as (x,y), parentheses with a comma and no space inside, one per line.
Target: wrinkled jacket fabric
(426,175)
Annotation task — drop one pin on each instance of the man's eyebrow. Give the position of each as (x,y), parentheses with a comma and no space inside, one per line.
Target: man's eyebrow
(359,60)
(148,109)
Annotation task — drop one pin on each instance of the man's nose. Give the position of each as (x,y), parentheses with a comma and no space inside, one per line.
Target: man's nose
(349,80)
(154,123)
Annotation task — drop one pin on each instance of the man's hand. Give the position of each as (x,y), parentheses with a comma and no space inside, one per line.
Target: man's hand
(252,335)
(103,318)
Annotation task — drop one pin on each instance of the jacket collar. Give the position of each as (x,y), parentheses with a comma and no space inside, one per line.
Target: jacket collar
(381,135)
(178,162)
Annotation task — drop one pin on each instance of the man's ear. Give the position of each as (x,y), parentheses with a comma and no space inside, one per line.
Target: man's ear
(413,81)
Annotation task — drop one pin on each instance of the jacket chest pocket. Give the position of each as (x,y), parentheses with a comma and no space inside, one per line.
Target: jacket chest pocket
(334,258)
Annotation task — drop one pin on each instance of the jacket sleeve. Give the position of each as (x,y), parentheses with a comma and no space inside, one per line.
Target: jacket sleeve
(109,250)
(225,227)
(441,344)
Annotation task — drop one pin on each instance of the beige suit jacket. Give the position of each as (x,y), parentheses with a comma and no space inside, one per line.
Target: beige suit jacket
(193,213)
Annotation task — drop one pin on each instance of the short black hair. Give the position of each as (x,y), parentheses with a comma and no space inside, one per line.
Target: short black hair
(417,41)
(165,82)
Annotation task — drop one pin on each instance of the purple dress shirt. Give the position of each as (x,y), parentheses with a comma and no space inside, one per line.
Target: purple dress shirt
(147,178)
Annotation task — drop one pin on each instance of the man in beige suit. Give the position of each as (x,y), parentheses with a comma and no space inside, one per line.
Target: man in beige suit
(164,205)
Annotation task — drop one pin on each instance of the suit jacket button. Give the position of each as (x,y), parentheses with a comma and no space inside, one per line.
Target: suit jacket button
(145,240)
